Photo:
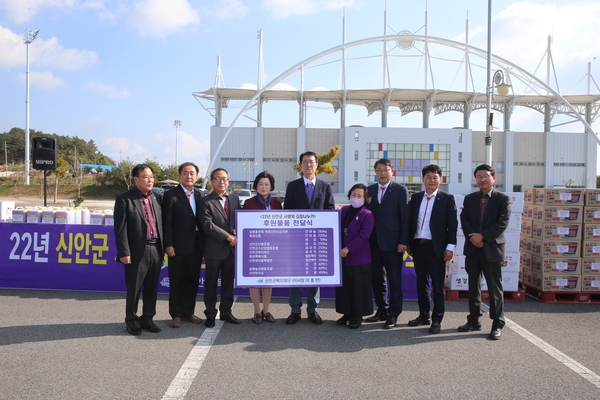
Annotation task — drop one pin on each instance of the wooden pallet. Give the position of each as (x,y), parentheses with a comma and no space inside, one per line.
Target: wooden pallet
(514,297)
(562,297)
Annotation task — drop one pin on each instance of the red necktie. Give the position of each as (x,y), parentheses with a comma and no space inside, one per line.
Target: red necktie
(382,193)
(226,207)
(482,207)
(425,213)
(308,188)
(149,217)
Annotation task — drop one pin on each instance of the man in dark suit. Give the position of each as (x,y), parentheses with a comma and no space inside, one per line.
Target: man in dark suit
(484,219)
(138,234)
(389,205)
(183,244)
(304,193)
(432,239)
(217,218)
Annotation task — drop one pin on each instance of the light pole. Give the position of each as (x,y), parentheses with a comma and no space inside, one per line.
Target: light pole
(177,124)
(28,36)
(249,166)
(488,91)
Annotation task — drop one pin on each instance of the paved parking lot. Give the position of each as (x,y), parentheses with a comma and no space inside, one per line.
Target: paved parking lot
(73,345)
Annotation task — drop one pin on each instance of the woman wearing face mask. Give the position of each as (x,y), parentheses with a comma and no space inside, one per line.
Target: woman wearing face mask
(354,299)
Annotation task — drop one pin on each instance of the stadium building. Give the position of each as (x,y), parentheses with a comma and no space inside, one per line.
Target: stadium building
(418,75)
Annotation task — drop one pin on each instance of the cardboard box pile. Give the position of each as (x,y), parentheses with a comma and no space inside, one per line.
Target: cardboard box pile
(560,240)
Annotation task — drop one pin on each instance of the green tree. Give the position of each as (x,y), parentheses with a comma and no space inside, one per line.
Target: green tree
(120,176)
(62,169)
(156,168)
(170,171)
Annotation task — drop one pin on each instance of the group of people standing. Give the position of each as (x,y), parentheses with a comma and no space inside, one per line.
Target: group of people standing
(380,225)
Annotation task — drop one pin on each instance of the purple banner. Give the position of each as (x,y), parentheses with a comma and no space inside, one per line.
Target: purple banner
(82,257)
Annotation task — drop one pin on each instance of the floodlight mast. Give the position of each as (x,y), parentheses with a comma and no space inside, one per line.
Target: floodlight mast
(28,36)
(177,124)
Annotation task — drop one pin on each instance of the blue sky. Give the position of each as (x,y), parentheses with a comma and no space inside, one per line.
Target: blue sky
(120,72)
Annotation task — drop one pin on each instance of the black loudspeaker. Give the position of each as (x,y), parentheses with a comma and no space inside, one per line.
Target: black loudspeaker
(44,153)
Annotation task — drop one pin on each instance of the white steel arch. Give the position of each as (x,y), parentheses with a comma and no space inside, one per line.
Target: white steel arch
(539,93)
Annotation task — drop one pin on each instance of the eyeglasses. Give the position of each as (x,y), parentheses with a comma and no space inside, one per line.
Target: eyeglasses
(146,177)
(482,177)
(308,162)
(383,171)
(219,179)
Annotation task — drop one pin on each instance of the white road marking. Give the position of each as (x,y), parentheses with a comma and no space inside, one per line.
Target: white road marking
(553,352)
(188,371)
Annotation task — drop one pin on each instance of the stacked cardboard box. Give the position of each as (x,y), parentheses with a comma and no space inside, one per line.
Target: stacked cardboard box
(552,237)
(590,270)
(456,276)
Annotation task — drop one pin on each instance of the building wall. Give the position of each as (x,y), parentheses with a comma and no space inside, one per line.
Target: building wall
(536,158)
(529,159)
(456,168)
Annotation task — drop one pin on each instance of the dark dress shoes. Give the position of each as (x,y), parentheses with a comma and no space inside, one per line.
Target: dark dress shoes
(390,323)
(210,322)
(231,319)
(315,318)
(150,327)
(419,321)
(293,318)
(133,328)
(355,323)
(470,326)
(435,327)
(343,320)
(495,334)
(380,315)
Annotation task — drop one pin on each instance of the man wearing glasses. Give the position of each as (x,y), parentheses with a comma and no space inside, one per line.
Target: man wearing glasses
(307,192)
(138,235)
(484,219)
(217,219)
(389,240)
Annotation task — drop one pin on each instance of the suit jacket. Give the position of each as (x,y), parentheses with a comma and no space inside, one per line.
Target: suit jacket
(180,225)
(491,227)
(391,216)
(356,234)
(130,224)
(216,226)
(254,204)
(442,224)
(295,196)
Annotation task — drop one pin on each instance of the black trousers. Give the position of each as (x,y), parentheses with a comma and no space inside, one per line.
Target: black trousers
(354,297)
(143,278)
(227,269)
(184,276)
(429,266)
(492,271)
(387,264)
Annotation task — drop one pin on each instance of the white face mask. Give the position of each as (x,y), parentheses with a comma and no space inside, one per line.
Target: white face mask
(356,203)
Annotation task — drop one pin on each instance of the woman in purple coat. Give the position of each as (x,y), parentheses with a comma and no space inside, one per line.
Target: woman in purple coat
(264,184)
(354,299)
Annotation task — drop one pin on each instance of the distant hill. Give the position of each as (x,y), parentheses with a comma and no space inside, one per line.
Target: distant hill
(71,149)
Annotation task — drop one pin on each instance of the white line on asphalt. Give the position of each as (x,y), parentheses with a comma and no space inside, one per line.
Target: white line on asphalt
(561,357)
(188,371)
(185,377)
